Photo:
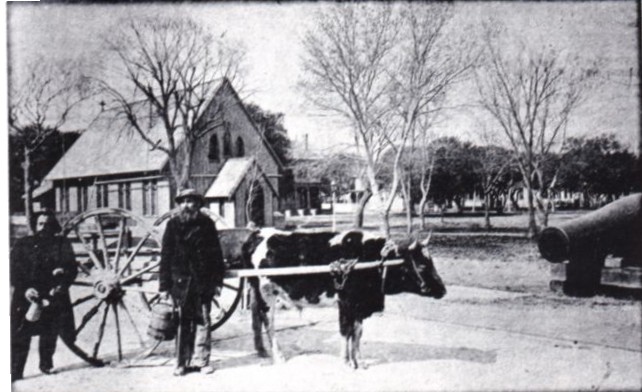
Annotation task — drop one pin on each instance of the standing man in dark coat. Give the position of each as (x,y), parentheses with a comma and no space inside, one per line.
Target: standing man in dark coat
(42,267)
(191,270)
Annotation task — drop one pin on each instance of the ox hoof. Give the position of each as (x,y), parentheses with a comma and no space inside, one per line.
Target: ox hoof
(278,359)
(262,353)
(351,364)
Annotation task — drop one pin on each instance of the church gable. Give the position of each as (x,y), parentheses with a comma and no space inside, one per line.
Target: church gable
(236,136)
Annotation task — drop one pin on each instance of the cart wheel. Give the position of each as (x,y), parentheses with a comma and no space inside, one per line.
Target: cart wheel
(224,305)
(116,254)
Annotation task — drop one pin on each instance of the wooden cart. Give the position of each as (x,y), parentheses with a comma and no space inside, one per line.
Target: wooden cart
(118,255)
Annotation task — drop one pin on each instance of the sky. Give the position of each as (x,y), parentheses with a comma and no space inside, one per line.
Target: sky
(272,34)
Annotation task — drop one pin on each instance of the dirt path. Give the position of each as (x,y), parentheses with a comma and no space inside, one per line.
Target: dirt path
(473,339)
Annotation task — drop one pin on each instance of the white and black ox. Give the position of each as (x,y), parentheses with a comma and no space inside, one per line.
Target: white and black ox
(360,292)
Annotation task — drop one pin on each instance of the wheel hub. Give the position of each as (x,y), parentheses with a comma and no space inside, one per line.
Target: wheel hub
(106,285)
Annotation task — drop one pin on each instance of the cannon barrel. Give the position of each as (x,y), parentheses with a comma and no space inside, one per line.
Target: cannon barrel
(613,229)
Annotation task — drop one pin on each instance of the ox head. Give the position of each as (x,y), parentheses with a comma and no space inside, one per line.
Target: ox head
(417,274)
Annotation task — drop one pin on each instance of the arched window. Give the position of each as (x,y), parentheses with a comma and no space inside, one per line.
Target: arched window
(240,147)
(213,151)
(227,142)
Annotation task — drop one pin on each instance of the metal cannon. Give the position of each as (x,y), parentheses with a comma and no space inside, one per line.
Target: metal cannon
(585,242)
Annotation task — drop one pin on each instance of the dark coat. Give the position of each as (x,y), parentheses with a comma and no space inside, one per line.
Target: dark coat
(191,259)
(32,262)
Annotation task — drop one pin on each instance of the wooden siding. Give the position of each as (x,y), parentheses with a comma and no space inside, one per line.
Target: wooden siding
(204,170)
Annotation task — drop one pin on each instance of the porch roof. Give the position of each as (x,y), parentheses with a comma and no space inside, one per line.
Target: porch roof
(231,176)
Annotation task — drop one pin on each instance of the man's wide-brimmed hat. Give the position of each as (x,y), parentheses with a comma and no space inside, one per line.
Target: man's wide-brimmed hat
(189,193)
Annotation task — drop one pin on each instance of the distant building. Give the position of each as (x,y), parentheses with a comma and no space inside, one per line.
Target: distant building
(233,166)
(309,188)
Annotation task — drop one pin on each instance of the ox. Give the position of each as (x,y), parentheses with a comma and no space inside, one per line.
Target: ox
(360,293)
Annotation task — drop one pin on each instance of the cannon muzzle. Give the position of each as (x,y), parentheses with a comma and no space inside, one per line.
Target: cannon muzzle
(613,229)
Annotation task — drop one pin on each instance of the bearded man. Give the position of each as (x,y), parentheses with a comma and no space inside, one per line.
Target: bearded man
(191,271)
(42,267)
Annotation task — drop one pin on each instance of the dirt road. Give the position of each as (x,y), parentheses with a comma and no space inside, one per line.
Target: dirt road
(473,339)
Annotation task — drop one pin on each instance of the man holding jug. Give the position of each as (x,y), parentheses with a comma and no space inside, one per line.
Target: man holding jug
(42,267)
(191,271)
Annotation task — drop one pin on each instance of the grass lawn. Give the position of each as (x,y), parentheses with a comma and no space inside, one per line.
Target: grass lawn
(464,252)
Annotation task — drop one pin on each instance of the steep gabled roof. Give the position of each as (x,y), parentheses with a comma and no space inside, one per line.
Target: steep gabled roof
(110,147)
(256,128)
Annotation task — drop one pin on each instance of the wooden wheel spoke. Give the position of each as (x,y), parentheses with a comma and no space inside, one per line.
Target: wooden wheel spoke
(82,283)
(82,300)
(120,347)
(92,255)
(139,290)
(101,332)
(84,269)
(131,257)
(139,273)
(151,300)
(109,262)
(231,287)
(103,242)
(131,321)
(88,316)
(119,243)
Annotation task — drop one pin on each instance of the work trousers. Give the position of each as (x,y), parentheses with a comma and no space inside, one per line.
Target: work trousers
(193,341)
(20,342)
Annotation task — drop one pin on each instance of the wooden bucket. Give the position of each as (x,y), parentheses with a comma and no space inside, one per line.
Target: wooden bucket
(163,324)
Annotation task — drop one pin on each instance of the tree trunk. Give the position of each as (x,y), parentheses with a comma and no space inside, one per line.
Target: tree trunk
(248,203)
(175,178)
(422,209)
(186,166)
(487,210)
(408,216)
(28,192)
(358,214)
(385,222)
(532,223)
(405,190)
(425,189)
(385,212)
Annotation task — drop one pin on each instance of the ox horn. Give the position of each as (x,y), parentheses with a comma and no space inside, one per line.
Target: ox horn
(427,240)
(388,247)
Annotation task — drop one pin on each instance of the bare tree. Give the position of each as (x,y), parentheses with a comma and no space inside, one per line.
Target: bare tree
(426,165)
(345,64)
(39,105)
(381,67)
(254,192)
(430,59)
(172,70)
(492,166)
(531,95)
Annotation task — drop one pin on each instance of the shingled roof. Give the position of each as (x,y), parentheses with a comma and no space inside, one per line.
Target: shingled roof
(110,147)
(107,148)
